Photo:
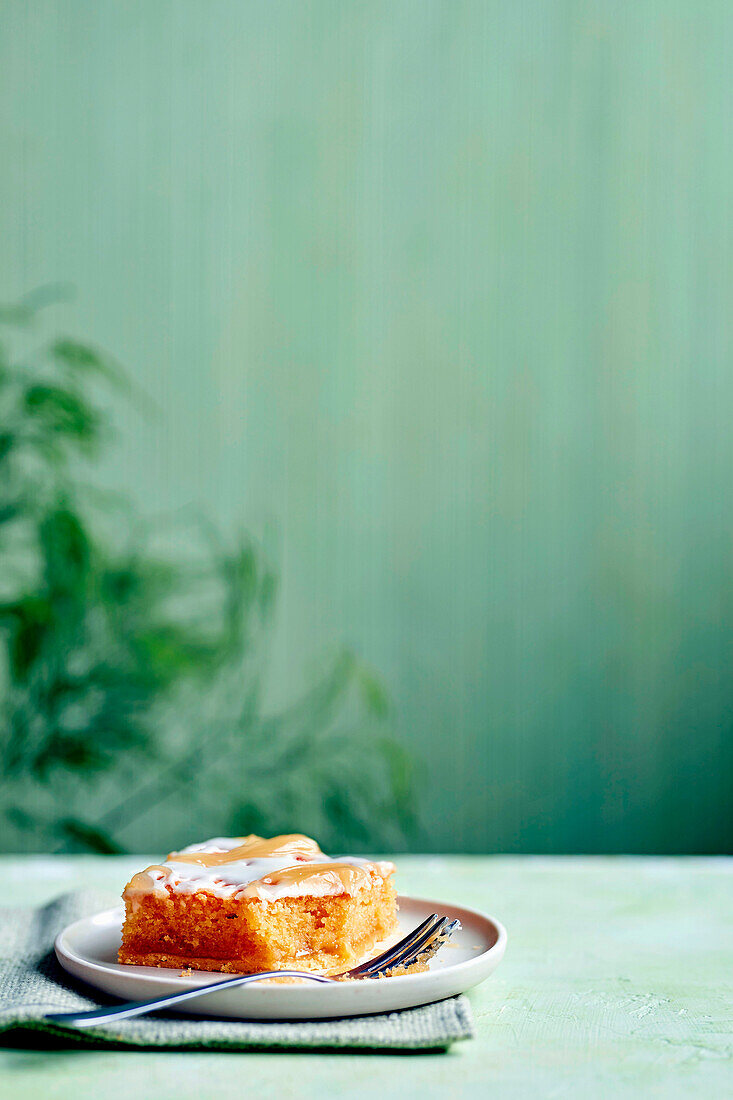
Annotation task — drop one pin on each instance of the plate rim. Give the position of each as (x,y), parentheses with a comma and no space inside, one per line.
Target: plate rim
(64,953)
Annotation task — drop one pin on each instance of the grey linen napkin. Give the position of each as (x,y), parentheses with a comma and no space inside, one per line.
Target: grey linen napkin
(33,983)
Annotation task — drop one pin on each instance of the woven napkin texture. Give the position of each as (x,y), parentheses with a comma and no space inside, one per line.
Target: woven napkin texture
(33,983)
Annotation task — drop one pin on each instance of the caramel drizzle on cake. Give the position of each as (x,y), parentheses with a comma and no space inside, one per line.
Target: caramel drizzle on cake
(291,865)
(293,845)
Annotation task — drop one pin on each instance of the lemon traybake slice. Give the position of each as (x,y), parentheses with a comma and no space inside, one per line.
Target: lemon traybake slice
(246,904)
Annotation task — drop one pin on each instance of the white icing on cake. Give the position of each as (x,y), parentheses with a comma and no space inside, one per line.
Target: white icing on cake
(257,876)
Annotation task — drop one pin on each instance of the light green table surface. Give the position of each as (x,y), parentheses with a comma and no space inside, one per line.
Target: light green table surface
(617,982)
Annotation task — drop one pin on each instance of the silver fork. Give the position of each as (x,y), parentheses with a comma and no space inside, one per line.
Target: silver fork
(419,946)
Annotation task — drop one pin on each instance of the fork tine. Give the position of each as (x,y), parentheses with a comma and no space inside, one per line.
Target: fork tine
(411,951)
(397,949)
(433,945)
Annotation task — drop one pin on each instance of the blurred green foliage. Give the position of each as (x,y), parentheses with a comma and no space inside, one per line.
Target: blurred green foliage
(132,678)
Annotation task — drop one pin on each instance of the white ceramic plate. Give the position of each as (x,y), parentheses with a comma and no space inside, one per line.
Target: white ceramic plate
(88,950)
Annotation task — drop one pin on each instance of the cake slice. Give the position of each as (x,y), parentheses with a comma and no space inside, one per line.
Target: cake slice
(247,904)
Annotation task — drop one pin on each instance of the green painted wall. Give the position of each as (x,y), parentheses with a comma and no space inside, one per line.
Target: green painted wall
(443,291)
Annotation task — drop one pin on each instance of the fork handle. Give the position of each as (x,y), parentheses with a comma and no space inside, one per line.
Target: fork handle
(140,1008)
